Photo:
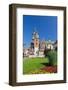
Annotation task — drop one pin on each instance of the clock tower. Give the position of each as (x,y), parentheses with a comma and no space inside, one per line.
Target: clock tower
(35,40)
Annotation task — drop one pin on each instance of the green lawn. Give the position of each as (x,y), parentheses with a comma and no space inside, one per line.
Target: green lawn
(31,65)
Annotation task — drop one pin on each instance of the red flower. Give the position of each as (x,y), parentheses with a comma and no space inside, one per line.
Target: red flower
(51,69)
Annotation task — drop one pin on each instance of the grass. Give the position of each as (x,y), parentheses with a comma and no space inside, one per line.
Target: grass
(33,65)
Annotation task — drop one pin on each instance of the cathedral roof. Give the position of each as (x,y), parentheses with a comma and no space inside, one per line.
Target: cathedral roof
(35,35)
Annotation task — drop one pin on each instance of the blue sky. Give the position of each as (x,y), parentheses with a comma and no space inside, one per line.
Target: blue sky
(46,26)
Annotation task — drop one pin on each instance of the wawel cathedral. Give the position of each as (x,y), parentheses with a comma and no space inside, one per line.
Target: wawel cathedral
(37,47)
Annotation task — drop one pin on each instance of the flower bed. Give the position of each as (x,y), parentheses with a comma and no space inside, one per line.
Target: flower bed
(51,69)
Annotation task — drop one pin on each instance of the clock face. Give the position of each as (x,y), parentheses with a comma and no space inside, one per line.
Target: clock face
(36,43)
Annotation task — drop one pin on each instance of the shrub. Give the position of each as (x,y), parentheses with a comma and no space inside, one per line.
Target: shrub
(52,55)
(46,51)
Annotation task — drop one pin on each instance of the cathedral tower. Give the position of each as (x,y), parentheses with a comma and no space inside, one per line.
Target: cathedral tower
(35,39)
